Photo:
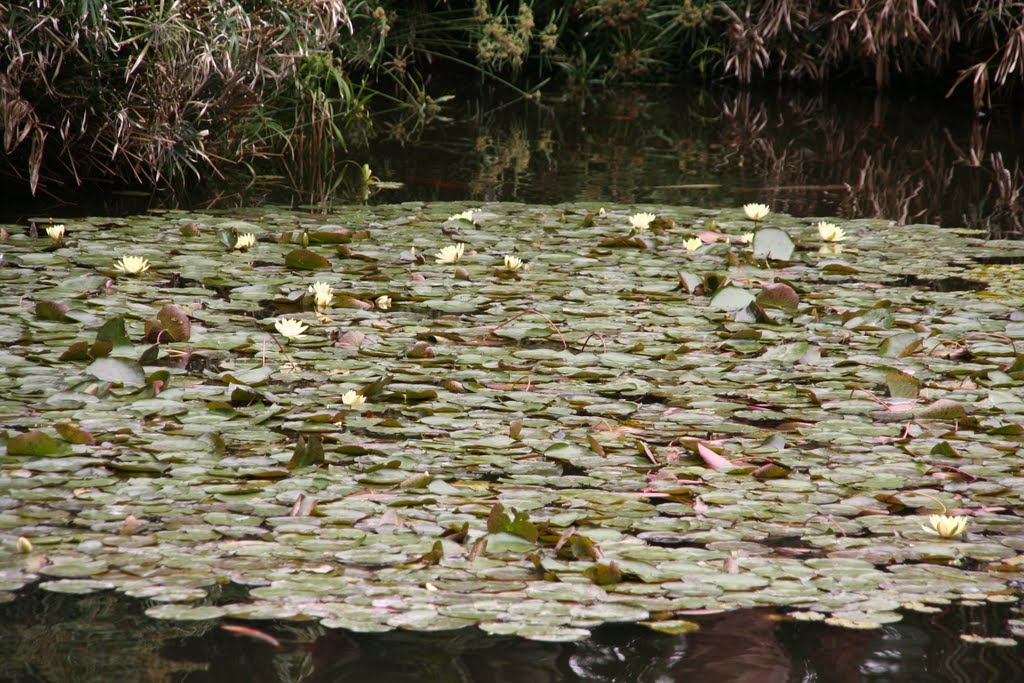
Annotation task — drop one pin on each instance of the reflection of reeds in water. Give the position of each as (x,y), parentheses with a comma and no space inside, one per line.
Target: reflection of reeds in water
(805,154)
(878,175)
(51,637)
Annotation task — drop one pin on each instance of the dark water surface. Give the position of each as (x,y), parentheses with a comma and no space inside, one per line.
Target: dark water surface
(106,637)
(911,160)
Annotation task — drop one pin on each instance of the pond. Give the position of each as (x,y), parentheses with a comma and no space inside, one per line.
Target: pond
(575,417)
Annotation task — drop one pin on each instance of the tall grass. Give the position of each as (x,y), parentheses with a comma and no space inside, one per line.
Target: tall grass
(170,91)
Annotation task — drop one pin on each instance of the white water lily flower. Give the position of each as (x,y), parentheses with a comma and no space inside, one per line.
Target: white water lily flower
(641,221)
(245,241)
(513,262)
(322,293)
(352,397)
(946,526)
(756,212)
(747,238)
(450,254)
(290,328)
(830,232)
(133,265)
(383,302)
(601,211)
(693,244)
(465,216)
(55,231)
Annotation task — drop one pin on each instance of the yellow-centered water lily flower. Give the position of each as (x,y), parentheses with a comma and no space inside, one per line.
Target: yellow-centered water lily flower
(747,238)
(55,231)
(946,526)
(693,244)
(450,254)
(245,241)
(322,293)
(830,232)
(352,397)
(383,302)
(290,328)
(641,221)
(465,215)
(756,212)
(133,265)
(513,262)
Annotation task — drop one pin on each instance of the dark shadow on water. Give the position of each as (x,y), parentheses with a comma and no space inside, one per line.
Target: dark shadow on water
(945,284)
(106,637)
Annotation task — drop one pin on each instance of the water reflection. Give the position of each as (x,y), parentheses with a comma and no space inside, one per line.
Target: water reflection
(50,637)
(910,160)
(810,154)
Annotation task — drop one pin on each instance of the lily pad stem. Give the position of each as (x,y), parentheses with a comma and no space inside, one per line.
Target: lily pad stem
(521,314)
(955,469)
(960,341)
(264,358)
(829,518)
(604,347)
(927,495)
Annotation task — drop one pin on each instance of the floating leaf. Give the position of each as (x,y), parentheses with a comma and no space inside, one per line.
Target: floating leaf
(673,627)
(307,452)
(304,259)
(33,443)
(943,409)
(773,243)
(710,458)
(731,298)
(114,332)
(73,434)
(604,574)
(169,325)
(689,281)
(900,345)
(901,384)
(118,371)
(944,449)
(338,236)
(778,295)
(52,310)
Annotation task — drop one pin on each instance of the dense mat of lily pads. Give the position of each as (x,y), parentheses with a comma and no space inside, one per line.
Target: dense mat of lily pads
(615,423)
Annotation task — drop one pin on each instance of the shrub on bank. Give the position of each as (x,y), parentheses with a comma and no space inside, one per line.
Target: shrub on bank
(157,93)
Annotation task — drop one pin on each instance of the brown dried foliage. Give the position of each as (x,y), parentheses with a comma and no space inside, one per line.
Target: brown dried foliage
(983,41)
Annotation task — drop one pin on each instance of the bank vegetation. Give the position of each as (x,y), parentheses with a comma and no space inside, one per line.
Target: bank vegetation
(176,92)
